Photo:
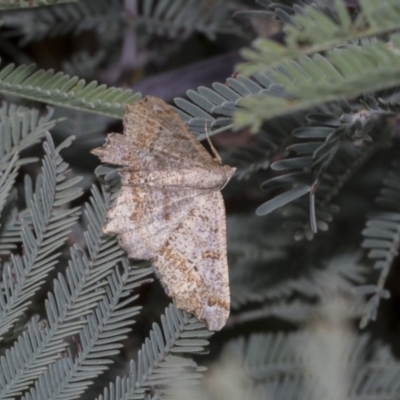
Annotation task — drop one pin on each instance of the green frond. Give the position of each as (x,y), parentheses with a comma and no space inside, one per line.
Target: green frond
(174,19)
(268,358)
(316,212)
(221,100)
(213,108)
(49,228)
(285,9)
(61,90)
(21,128)
(272,297)
(11,4)
(382,238)
(317,29)
(275,354)
(329,152)
(387,105)
(160,362)
(7,180)
(344,168)
(180,18)
(276,366)
(100,338)
(10,227)
(310,81)
(11,219)
(75,295)
(102,16)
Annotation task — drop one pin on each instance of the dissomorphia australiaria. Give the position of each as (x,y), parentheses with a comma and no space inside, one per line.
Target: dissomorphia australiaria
(170,208)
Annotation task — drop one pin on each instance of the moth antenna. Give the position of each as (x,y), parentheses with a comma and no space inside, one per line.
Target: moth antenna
(213,149)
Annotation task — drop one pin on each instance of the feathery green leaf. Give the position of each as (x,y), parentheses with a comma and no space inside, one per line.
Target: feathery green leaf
(312,31)
(310,81)
(61,90)
(22,277)
(10,4)
(160,362)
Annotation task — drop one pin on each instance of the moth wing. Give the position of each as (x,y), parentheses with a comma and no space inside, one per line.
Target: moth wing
(119,150)
(155,138)
(192,265)
(153,125)
(144,217)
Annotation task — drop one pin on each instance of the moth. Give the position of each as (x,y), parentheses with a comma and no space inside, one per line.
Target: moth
(170,209)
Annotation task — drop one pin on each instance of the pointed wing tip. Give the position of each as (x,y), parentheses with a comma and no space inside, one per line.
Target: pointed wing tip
(101,151)
(97,151)
(215,316)
(215,313)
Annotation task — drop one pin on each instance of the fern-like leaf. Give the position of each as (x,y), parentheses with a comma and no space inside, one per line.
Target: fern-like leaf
(10,227)
(74,296)
(382,238)
(278,366)
(51,225)
(11,4)
(255,290)
(21,128)
(7,179)
(62,90)
(179,18)
(314,28)
(311,81)
(273,297)
(100,339)
(160,362)
(337,145)
(102,16)
(176,19)
(213,108)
